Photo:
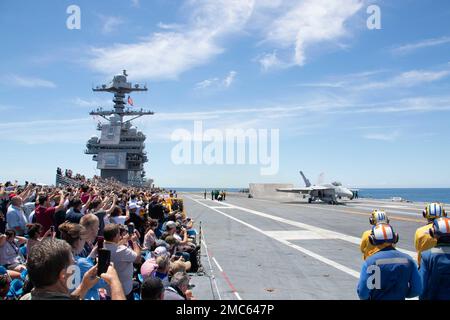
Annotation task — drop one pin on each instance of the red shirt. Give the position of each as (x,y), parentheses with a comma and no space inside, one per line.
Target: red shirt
(45,216)
(85,197)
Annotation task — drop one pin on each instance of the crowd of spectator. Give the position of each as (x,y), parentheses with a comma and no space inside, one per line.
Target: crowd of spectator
(51,239)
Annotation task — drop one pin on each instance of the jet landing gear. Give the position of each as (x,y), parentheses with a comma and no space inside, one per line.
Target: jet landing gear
(333,202)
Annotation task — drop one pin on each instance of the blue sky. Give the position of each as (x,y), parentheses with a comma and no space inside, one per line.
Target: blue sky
(369,108)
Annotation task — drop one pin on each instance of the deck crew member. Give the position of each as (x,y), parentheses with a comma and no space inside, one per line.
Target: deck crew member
(423,240)
(367,249)
(435,266)
(388,274)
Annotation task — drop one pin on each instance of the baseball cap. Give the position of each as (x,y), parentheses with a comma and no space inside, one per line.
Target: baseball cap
(133,206)
(170,224)
(159,251)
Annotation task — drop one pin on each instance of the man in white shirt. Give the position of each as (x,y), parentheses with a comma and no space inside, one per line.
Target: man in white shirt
(16,218)
(122,256)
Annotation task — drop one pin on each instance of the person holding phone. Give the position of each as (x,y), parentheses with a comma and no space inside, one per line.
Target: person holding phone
(76,235)
(48,269)
(122,256)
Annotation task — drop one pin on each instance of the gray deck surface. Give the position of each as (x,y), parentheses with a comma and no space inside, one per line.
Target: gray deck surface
(268,249)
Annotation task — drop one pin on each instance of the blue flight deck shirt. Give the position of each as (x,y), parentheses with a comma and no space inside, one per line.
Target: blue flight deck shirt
(399,277)
(435,273)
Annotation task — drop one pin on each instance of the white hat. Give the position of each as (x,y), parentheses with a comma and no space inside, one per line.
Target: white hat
(159,251)
(133,206)
(170,224)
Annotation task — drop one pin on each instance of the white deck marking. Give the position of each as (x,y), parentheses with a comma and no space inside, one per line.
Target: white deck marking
(211,267)
(217,264)
(414,214)
(316,256)
(297,235)
(327,234)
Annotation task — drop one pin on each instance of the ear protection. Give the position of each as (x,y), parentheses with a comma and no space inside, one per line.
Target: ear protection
(383,233)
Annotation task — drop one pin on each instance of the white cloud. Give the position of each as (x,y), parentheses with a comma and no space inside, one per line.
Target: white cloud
(407,48)
(270,61)
(229,79)
(135,3)
(391,136)
(169,26)
(322,84)
(406,79)
(91,103)
(311,22)
(300,118)
(110,23)
(165,55)
(379,79)
(27,82)
(206,83)
(216,82)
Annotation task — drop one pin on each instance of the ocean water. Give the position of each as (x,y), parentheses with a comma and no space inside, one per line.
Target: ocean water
(412,194)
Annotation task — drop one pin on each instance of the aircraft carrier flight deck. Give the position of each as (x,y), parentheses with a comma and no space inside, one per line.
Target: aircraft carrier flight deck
(277,249)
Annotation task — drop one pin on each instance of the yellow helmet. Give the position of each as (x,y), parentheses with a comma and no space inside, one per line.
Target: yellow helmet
(434,210)
(378,216)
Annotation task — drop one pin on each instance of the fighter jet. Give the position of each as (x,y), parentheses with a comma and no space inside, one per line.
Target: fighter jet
(328,193)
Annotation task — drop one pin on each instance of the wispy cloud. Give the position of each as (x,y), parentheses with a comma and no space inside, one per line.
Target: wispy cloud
(26,81)
(110,23)
(379,79)
(169,26)
(322,84)
(308,116)
(206,83)
(165,55)
(270,61)
(91,103)
(406,79)
(408,48)
(135,3)
(217,83)
(229,78)
(391,136)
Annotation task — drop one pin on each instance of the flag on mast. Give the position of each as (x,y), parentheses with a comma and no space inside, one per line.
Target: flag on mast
(130,101)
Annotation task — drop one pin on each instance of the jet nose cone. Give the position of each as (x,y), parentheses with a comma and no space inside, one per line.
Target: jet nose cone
(349,193)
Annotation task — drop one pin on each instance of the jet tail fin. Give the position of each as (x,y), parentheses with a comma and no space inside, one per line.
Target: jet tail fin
(307,183)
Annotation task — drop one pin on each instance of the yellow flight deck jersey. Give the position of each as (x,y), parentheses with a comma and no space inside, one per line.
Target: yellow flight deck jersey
(423,241)
(366,247)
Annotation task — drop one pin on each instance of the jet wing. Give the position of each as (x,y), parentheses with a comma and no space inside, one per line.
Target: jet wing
(323,188)
(295,190)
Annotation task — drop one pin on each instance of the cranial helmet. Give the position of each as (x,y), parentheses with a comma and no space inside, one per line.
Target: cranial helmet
(441,228)
(383,233)
(434,210)
(378,216)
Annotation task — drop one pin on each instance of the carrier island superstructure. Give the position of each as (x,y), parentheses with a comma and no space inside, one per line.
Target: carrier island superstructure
(119,152)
